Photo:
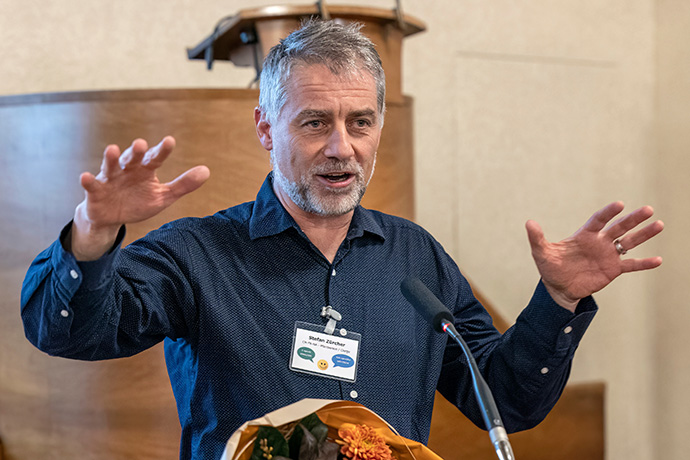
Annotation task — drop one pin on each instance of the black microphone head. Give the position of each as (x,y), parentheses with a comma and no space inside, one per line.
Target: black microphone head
(425,302)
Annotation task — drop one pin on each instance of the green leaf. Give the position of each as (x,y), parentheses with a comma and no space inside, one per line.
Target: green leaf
(309,449)
(315,426)
(275,446)
(320,432)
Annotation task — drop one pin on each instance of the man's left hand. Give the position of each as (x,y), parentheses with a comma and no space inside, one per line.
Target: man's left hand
(590,259)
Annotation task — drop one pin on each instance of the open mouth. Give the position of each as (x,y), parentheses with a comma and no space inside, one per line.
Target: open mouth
(335,178)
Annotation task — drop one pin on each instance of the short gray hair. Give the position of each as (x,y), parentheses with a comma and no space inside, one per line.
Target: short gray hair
(340,47)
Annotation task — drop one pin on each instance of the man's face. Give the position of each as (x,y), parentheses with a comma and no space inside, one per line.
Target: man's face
(323,143)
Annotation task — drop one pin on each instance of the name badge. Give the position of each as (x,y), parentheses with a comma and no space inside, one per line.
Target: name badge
(332,356)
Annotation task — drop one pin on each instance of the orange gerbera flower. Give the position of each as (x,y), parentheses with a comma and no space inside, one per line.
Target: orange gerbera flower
(362,442)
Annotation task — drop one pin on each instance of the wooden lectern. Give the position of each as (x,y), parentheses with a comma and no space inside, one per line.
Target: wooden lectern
(52,408)
(246,37)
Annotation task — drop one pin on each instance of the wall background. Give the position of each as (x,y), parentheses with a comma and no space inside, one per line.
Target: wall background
(541,110)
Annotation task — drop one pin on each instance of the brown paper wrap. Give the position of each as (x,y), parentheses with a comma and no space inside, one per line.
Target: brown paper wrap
(333,414)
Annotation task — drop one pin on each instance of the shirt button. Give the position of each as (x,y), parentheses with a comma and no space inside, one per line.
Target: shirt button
(568,329)
(544,370)
(333,272)
(64,313)
(354,394)
(74,274)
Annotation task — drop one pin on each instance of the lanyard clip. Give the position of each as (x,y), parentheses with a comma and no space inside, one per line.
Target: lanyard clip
(333,316)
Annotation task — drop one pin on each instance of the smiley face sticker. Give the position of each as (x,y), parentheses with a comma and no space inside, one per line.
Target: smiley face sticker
(322,364)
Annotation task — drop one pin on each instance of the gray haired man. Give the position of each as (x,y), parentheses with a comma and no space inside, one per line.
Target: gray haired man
(237,295)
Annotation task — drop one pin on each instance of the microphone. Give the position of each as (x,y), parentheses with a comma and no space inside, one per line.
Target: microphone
(432,310)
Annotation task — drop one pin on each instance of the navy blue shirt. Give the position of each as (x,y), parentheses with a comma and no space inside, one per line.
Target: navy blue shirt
(225,292)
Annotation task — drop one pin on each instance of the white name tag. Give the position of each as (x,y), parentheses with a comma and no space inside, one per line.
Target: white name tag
(332,356)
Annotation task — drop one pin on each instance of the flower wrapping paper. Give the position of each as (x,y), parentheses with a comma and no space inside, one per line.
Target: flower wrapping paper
(334,414)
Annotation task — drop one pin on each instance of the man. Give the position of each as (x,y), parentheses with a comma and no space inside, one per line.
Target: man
(231,294)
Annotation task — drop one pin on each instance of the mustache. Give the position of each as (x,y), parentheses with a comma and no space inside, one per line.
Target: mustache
(335,165)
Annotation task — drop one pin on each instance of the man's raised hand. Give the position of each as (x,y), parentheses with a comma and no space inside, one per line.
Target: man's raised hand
(126,190)
(590,259)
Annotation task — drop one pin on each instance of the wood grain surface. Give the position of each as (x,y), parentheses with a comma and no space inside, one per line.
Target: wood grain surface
(54,408)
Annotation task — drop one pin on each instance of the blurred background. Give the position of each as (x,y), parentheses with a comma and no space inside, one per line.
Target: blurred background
(523,110)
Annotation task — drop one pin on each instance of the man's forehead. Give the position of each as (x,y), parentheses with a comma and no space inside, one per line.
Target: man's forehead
(316,84)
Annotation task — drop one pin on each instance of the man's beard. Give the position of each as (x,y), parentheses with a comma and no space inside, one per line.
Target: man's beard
(330,202)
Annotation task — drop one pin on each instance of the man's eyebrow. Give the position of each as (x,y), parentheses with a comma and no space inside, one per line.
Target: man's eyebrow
(363,113)
(313,113)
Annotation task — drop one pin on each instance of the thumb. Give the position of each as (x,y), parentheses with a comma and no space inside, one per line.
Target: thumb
(189,181)
(535,235)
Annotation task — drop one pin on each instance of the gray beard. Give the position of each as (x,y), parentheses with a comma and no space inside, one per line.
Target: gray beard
(332,203)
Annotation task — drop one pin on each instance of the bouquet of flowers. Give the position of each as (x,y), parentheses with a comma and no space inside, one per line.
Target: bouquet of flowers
(315,429)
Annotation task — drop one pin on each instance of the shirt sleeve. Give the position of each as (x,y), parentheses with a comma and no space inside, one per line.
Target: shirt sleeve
(526,368)
(107,308)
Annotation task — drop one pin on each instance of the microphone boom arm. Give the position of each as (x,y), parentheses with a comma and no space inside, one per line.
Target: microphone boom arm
(492,418)
(433,310)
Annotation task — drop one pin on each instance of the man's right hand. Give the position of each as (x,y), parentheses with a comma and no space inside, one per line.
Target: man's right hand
(126,190)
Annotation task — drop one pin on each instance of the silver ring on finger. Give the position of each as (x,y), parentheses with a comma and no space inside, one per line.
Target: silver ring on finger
(619,247)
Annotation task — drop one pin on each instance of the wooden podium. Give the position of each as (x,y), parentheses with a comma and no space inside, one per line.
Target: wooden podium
(53,408)
(246,37)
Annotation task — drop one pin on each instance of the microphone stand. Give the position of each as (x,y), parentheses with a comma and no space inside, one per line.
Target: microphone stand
(492,419)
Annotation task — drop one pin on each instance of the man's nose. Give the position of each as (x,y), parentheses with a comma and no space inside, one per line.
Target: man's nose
(339,144)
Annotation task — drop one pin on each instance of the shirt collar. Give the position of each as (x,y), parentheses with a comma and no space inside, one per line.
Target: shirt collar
(270,217)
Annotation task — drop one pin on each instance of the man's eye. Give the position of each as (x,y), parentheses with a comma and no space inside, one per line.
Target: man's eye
(314,123)
(362,123)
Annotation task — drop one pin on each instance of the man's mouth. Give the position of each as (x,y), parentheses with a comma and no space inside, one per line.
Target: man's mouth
(335,178)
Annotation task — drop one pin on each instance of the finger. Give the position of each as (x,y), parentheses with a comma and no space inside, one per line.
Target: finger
(635,265)
(627,223)
(535,235)
(88,182)
(602,217)
(635,239)
(155,156)
(134,154)
(110,164)
(188,181)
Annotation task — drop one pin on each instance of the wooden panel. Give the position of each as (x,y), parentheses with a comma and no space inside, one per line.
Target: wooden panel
(574,430)
(53,408)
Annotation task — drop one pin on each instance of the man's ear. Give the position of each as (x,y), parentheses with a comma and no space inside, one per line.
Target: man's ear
(263,129)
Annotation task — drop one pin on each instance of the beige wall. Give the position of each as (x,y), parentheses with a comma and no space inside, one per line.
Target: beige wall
(545,110)
(672,173)
(532,109)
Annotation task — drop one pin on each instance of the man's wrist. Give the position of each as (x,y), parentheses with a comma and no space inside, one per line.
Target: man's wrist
(88,241)
(562,299)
